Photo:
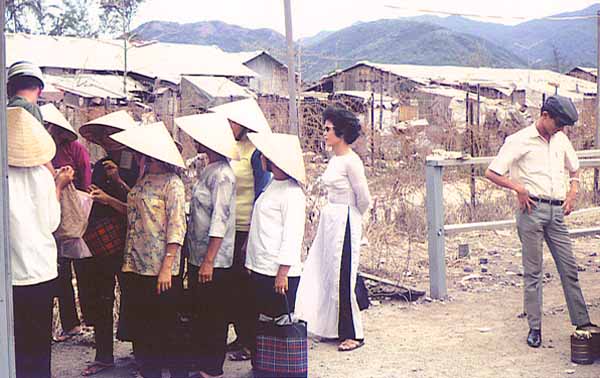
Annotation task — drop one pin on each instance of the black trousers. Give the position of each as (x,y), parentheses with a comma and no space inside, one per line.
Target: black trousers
(268,302)
(33,329)
(346,320)
(240,307)
(66,295)
(97,277)
(210,324)
(156,316)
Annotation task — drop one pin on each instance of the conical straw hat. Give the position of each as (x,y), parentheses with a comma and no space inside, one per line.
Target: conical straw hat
(246,113)
(153,140)
(211,130)
(52,115)
(29,144)
(283,150)
(118,121)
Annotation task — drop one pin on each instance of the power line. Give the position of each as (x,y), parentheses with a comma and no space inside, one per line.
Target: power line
(448,13)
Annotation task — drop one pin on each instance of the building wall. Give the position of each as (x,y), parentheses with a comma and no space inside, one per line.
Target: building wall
(434,108)
(365,78)
(192,99)
(273,76)
(583,75)
(276,111)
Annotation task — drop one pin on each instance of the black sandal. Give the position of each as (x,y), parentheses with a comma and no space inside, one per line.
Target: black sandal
(358,344)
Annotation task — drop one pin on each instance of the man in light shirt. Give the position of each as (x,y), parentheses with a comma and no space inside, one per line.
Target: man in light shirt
(536,158)
(34,212)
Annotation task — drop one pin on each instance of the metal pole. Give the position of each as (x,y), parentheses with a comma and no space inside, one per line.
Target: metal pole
(7,341)
(435,230)
(293,126)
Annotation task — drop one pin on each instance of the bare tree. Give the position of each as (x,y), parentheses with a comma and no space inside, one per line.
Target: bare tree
(558,59)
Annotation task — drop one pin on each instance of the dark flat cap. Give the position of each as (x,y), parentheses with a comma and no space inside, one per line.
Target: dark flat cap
(562,108)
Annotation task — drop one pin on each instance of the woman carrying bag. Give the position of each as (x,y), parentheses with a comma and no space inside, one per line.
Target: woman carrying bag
(210,239)
(274,253)
(326,295)
(156,227)
(112,177)
(69,152)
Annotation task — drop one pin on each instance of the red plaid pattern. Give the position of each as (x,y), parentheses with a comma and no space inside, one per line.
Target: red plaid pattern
(106,236)
(281,357)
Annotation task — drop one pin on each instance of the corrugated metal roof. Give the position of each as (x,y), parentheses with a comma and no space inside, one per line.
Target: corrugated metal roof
(505,80)
(246,56)
(90,86)
(167,61)
(170,61)
(591,70)
(218,86)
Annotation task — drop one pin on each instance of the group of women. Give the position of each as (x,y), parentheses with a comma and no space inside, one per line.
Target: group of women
(240,238)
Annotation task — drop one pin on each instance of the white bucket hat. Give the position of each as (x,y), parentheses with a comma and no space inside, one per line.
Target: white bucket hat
(212,130)
(283,150)
(153,140)
(246,113)
(29,144)
(118,121)
(52,115)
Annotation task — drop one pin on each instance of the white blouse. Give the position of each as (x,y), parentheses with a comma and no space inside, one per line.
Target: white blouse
(346,182)
(34,216)
(277,229)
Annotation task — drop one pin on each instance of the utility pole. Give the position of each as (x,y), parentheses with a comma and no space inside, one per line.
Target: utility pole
(597,134)
(293,126)
(121,7)
(125,38)
(7,340)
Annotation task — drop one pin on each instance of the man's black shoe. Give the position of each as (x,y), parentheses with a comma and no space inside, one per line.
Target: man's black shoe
(534,338)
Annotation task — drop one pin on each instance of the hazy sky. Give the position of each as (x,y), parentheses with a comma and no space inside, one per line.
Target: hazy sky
(312,16)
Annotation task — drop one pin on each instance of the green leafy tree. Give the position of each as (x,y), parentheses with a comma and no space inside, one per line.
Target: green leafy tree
(116,15)
(73,20)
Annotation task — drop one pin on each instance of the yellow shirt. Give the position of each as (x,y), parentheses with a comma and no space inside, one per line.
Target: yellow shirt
(244,179)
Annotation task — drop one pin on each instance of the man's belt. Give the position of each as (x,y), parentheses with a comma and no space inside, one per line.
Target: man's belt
(553,202)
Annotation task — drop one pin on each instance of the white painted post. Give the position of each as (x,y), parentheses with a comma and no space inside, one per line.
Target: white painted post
(435,230)
(7,344)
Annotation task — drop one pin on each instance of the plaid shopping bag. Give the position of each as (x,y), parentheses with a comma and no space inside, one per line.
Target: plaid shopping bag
(281,347)
(106,236)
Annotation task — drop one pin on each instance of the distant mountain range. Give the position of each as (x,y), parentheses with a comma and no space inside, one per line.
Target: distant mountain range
(543,43)
(430,40)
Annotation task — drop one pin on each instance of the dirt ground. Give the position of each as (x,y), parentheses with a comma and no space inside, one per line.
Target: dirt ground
(476,332)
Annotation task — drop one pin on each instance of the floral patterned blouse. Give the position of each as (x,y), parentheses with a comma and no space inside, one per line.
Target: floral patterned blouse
(155,217)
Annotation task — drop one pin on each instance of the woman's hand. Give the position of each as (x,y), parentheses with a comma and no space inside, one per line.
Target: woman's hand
(281,284)
(112,170)
(206,272)
(99,195)
(164,281)
(64,175)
